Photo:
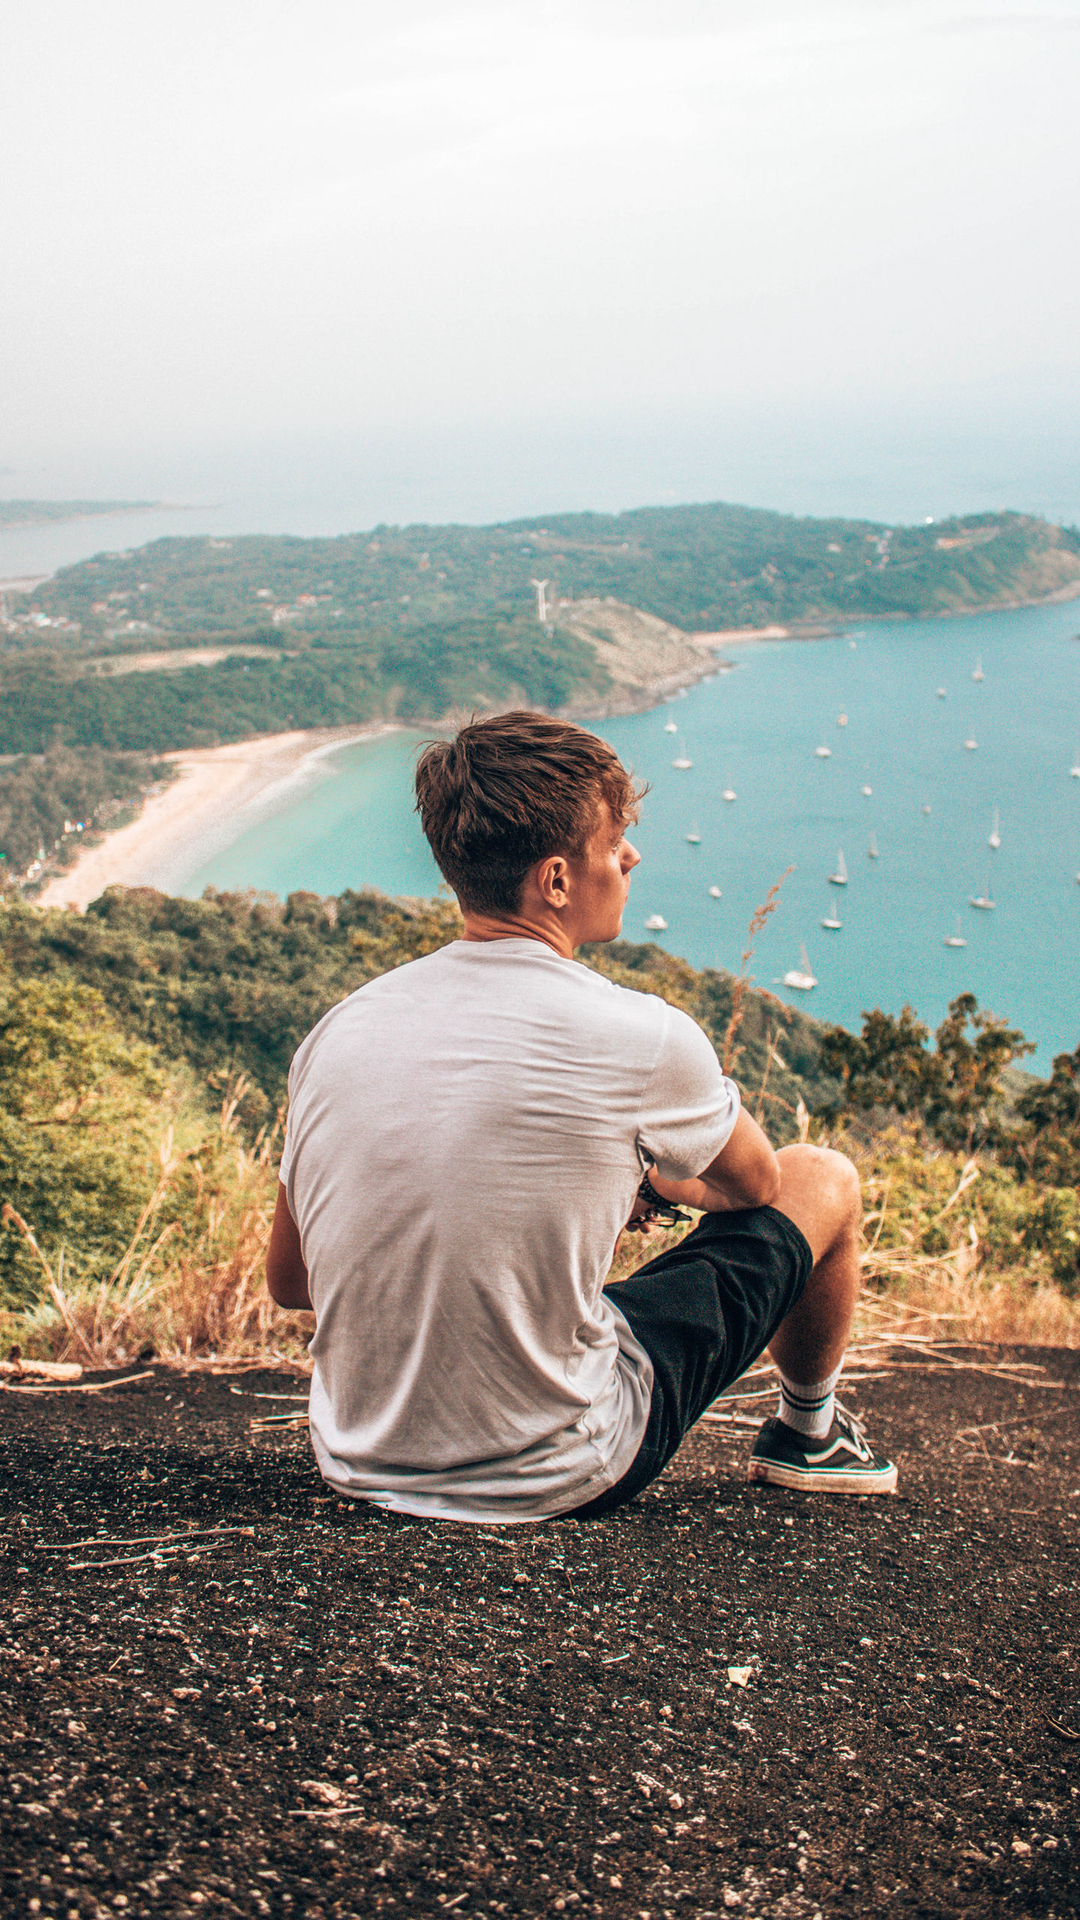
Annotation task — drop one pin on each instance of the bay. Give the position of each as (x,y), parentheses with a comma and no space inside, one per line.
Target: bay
(755,730)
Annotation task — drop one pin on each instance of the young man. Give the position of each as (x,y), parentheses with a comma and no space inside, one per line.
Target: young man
(468,1137)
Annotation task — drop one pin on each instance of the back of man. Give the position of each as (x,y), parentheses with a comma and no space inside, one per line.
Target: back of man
(468,1135)
(466,1139)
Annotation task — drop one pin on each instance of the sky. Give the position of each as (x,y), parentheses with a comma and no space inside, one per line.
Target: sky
(567,251)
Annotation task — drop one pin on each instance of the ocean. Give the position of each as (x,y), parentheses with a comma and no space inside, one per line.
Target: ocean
(755,730)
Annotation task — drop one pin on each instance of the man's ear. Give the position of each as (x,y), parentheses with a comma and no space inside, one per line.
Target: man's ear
(552,880)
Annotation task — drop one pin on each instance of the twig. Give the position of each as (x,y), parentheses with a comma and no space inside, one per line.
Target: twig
(88,1386)
(138,1559)
(1062,1732)
(145,1539)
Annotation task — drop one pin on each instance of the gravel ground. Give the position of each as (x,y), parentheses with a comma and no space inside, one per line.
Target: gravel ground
(281,1704)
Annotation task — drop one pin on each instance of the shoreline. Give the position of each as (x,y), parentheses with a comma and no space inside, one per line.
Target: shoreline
(180,827)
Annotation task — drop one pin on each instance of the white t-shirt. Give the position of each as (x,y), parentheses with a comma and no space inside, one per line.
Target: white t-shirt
(466,1136)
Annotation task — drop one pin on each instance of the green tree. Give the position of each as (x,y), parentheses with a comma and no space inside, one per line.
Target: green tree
(956,1088)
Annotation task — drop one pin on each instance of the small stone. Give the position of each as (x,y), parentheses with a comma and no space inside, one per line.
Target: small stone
(665,1713)
(1021,1847)
(676,1802)
(615,1880)
(521,1579)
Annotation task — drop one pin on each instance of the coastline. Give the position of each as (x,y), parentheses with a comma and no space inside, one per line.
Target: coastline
(180,827)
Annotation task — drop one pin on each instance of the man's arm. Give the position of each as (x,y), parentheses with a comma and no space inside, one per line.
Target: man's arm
(745,1173)
(286,1274)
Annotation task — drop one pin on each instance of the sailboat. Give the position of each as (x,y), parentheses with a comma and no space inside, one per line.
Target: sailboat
(926,806)
(955,939)
(832,919)
(971,745)
(655,923)
(995,832)
(942,693)
(872,849)
(681,761)
(839,878)
(693,838)
(985,901)
(714,893)
(866,792)
(977,672)
(670,727)
(1074,771)
(729,793)
(841,719)
(801,976)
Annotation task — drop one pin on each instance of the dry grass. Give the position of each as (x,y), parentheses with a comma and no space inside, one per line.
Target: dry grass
(190,1287)
(948,1253)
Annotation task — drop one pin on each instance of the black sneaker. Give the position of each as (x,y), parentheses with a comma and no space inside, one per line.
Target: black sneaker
(839,1462)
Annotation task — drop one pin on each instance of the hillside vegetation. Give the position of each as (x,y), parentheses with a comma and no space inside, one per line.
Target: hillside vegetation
(144,1048)
(416,621)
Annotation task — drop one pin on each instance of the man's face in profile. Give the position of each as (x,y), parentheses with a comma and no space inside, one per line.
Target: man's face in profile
(601,878)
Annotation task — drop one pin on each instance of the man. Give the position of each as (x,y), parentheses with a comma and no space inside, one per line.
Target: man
(468,1136)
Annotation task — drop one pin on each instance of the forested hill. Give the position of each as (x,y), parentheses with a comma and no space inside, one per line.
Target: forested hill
(701,568)
(191,642)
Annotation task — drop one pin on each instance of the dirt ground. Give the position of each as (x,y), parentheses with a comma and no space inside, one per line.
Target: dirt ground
(226,1692)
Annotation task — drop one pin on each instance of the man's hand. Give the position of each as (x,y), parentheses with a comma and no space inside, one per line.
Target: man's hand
(746,1173)
(286,1274)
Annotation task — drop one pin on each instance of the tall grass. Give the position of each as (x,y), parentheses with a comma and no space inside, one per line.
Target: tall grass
(191,1285)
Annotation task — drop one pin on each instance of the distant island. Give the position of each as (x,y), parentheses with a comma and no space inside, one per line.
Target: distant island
(194,642)
(40,513)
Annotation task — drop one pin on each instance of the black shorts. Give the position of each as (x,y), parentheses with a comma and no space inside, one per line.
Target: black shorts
(704,1310)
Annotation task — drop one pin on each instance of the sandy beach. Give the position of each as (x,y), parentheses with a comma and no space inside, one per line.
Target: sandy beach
(220,790)
(198,812)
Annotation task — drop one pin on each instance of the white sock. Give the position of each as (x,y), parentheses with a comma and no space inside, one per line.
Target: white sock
(808,1407)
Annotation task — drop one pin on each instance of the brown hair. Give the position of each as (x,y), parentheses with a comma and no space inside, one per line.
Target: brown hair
(508,792)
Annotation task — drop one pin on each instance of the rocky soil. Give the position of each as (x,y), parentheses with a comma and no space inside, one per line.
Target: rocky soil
(226,1692)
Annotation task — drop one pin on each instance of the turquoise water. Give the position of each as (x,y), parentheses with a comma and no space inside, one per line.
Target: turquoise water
(756,729)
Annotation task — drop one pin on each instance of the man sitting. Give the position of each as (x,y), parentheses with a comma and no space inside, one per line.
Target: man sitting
(467,1138)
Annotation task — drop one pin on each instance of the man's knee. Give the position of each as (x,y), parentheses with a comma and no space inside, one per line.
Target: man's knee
(822,1184)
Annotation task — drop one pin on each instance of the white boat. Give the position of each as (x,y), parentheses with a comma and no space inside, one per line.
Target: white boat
(656,923)
(823,753)
(801,976)
(681,760)
(693,838)
(729,793)
(926,806)
(841,719)
(971,745)
(670,727)
(832,920)
(714,893)
(1074,771)
(995,832)
(866,792)
(984,901)
(872,849)
(976,671)
(955,939)
(942,694)
(839,878)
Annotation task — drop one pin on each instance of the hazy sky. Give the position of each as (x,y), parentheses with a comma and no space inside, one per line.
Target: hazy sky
(225,222)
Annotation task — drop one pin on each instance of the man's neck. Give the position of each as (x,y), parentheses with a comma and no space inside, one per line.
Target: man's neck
(482,926)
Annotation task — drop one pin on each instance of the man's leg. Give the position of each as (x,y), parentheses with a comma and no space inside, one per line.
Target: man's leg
(810,1444)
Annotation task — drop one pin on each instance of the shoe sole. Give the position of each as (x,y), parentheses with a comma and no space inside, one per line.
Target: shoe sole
(836,1481)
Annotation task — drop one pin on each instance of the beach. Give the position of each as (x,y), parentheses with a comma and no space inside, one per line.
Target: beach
(218,791)
(199,811)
